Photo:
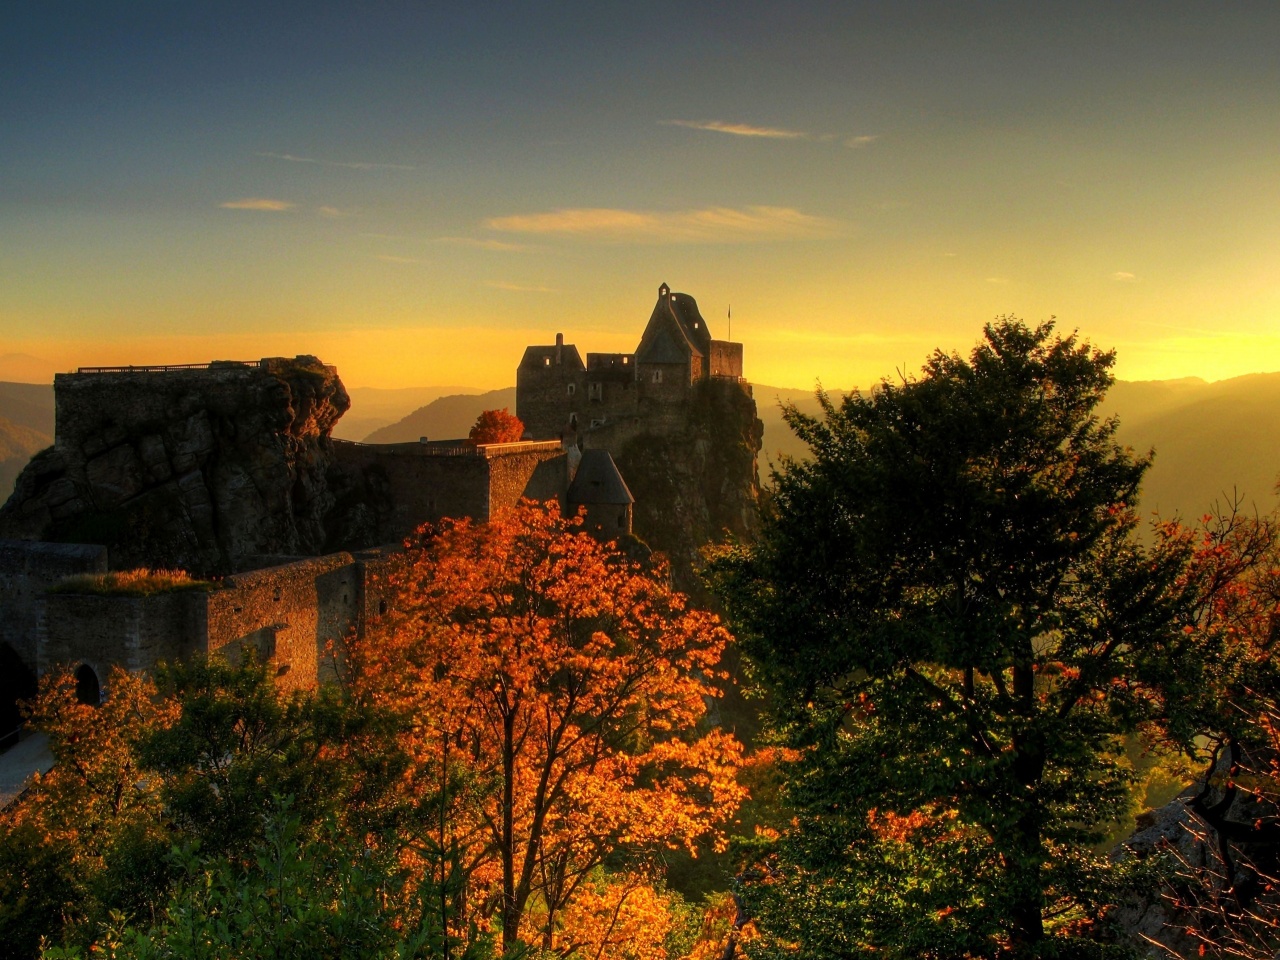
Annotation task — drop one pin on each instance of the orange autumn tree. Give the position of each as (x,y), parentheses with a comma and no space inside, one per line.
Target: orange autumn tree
(496,426)
(570,687)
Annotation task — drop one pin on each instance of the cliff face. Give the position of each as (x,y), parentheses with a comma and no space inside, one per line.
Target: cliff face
(194,469)
(696,480)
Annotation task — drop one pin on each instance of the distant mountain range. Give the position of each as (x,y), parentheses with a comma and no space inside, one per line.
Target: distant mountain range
(26,427)
(445,418)
(1213,441)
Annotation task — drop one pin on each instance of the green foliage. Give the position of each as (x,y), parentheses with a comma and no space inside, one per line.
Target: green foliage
(959,628)
(289,898)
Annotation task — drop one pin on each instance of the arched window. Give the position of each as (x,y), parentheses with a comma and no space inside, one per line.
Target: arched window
(87,689)
(572,387)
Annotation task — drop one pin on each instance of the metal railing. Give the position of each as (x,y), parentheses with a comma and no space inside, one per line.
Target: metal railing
(171,366)
(456,448)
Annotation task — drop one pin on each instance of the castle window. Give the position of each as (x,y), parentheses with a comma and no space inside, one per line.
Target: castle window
(572,388)
(546,361)
(657,376)
(596,423)
(573,421)
(625,361)
(595,391)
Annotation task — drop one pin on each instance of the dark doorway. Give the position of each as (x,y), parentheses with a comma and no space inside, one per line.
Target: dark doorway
(87,690)
(17,682)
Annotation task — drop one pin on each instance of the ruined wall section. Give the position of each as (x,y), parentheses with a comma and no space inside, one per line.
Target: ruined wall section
(185,468)
(384,492)
(27,571)
(131,632)
(292,616)
(526,471)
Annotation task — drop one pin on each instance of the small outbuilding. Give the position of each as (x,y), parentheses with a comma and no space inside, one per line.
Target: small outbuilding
(599,489)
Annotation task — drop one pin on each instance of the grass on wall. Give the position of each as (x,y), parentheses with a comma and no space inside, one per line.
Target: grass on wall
(142,582)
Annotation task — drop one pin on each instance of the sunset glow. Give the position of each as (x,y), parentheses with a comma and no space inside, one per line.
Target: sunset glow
(414,193)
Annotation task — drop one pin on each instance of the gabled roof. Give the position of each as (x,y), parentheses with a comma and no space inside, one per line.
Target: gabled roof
(536,357)
(598,481)
(662,349)
(676,315)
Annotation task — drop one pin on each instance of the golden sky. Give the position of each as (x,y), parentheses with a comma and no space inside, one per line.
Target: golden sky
(415,193)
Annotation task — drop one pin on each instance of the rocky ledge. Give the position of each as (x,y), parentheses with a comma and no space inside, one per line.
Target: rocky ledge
(188,468)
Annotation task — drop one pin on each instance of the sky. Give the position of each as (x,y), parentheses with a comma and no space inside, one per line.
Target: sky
(415,190)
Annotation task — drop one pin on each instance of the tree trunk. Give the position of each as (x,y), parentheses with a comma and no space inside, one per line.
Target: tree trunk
(510,909)
(1025,856)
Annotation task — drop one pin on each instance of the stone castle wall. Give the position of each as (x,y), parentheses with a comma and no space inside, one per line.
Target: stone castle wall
(294,617)
(27,570)
(291,615)
(127,631)
(404,485)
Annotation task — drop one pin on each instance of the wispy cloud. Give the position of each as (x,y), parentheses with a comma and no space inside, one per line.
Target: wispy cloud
(1123,276)
(348,165)
(390,258)
(770,133)
(258,203)
(707,225)
(334,213)
(480,244)
(739,129)
(517,287)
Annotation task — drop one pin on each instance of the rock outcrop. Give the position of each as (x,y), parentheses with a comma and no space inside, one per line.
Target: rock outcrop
(1219,845)
(194,468)
(695,482)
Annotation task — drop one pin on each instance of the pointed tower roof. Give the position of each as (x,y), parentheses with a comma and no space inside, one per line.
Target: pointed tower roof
(598,481)
(676,330)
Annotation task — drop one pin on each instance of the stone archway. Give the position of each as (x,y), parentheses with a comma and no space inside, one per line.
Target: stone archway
(88,690)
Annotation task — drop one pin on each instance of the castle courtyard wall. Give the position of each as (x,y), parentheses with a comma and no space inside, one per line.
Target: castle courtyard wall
(27,570)
(291,616)
(132,632)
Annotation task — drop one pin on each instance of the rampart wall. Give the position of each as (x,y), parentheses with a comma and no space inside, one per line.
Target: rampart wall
(408,484)
(294,617)
(127,631)
(291,616)
(27,570)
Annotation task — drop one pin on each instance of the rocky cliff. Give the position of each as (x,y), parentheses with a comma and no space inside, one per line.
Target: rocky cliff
(695,479)
(190,468)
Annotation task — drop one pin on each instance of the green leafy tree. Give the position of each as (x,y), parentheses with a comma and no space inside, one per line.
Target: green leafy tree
(959,628)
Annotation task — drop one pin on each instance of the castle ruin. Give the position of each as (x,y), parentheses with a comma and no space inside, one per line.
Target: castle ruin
(228,470)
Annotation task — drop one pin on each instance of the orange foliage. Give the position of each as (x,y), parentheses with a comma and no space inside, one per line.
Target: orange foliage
(95,787)
(496,426)
(621,917)
(562,691)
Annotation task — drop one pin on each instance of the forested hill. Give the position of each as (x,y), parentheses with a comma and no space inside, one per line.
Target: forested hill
(26,427)
(1213,441)
(446,418)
